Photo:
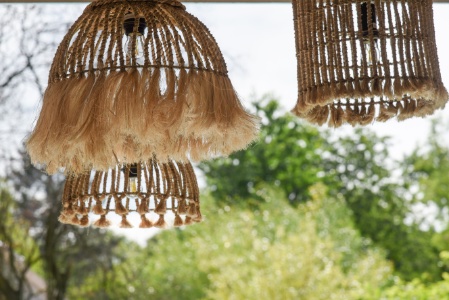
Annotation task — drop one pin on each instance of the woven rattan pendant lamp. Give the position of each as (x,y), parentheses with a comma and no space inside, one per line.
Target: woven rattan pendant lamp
(361,61)
(162,194)
(133,79)
(136,89)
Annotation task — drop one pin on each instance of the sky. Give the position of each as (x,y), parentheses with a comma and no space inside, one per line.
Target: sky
(258,43)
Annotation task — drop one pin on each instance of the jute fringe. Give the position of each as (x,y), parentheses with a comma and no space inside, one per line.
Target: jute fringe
(161,189)
(359,70)
(105,106)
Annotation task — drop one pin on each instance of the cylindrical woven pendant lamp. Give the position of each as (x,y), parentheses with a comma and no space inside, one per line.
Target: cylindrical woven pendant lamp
(361,61)
(162,194)
(133,79)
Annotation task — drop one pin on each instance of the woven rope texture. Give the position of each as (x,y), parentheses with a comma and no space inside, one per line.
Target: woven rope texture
(163,194)
(361,61)
(133,79)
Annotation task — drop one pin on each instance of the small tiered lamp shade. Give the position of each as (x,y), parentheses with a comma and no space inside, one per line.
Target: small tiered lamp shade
(137,78)
(361,61)
(162,194)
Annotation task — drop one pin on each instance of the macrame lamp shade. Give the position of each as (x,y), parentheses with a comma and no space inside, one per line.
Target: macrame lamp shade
(135,79)
(360,61)
(163,194)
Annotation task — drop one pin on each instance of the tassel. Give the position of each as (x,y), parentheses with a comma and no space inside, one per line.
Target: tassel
(182,208)
(407,87)
(408,111)
(423,108)
(192,212)
(342,91)
(350,88)
(388,92)
(357,90)
(398,91)
(352,115)
(142,209)
(385,114)
(377,87)
(119,208)
(161,207)
(98,209)
(102,222)
(125,223)
(68,211)
(64,219)
(82,209)
(322,115)
(318,115)
(365,88)
(311,96)
(337,116)
(198,217)
(84,222)
(178,221)
(388,112)
(188,221)
(369,116)
(145,223)
(314,95)
(160,222)
(325,94)
(74,220)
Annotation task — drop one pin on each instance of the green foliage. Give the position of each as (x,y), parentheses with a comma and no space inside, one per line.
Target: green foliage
(274,252)
(288,155)
(429,166)
(379,203)
(357,167)
(290,253)
(63,255)
(417,290)
(14,231)
(18,251)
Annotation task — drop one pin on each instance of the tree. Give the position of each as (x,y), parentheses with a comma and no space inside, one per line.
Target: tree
(295,156)
(64,255)
(67,253)
(273,252)
(28,40)
(288,154)
(381,204)
(426,168)
(18,252)
(29,35)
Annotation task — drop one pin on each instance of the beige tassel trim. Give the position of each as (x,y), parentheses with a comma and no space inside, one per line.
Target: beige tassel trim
(105,105)
(162,194)
(365,111)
